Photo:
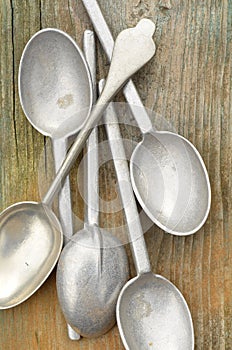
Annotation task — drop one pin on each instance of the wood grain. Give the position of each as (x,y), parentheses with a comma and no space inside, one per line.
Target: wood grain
(188,84)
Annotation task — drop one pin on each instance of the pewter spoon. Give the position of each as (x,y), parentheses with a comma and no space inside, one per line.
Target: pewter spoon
(168,175)
(54,87)
(31,236)
(93,267)
(151,311)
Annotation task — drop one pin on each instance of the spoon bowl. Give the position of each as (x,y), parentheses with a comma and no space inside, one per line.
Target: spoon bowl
(31,240)
(153,305)
(92,269)
(171,182)
(52,69)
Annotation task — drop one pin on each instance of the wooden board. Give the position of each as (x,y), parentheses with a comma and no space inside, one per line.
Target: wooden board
(188,83)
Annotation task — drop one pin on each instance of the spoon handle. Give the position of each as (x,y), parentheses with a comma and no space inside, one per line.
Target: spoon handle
(107,42)
(134,47)
(91,159)
(136,238)
(60,147)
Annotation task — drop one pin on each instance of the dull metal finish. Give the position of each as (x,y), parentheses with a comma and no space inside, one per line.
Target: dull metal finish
(171,182)
(153,314)
(151,311)
(93,267)
(52,69)
(30,242)
(128,57)
(91,272)
(168,174)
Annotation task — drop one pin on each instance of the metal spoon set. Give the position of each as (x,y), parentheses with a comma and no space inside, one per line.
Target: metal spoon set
(57,87)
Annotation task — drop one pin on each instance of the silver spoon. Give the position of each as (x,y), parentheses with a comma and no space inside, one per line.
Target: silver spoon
(31,236)
(168,175)
(93,267)
(151,311)
(52,91)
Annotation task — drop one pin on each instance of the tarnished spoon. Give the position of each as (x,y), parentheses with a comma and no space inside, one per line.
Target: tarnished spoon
(168,174)
(151,311)
(31,236)
(55,89)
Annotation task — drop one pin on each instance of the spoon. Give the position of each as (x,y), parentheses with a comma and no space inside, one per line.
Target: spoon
(168,175)
(151,311)
(54,87)
(93,267)
(51,97)
(31,236)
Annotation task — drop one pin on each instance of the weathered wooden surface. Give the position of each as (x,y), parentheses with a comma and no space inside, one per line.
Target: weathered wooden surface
(189,83)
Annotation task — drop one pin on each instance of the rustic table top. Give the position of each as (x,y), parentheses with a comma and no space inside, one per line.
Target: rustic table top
(187,83)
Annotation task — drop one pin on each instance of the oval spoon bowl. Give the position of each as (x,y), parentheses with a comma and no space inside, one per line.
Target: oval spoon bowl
(51,71)
(171,182)
(154,306)
(92,269)
(30,243)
